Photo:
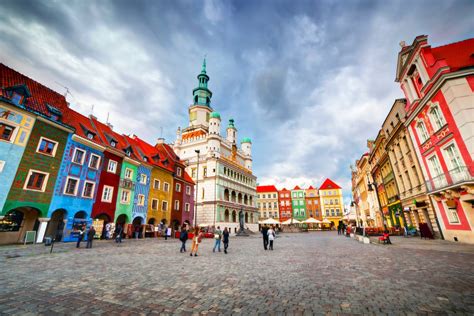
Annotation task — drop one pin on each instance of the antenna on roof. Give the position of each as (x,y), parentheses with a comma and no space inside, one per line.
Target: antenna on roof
(107,117)
(92,109)
(67,90)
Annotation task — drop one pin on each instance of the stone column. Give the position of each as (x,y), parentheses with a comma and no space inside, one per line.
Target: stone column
(42,229)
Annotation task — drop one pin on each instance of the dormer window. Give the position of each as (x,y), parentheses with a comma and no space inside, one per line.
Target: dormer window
(113,143)
(128,153)
(54,113)
(145,159)
(90,135)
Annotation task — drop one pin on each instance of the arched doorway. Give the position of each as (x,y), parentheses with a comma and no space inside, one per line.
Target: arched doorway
(16,223)
(175,225)
(152,221)
(226,216)
(251,218)
(56,225)
(137,226)
(103,220)
(246,217)
(234,216)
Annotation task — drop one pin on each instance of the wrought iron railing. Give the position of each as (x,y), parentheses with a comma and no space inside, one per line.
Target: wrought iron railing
(452,177)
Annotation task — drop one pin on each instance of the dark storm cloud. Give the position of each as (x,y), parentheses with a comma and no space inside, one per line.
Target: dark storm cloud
(308,81)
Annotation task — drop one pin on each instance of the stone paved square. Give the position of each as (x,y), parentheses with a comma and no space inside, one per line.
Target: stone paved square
(307,273)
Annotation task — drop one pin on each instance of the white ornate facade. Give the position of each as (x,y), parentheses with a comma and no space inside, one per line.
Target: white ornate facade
(225,182)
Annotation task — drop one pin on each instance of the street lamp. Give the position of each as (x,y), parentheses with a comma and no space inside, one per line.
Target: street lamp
(197,151)
(378,200)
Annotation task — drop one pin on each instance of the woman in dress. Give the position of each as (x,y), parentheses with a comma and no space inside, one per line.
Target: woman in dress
(198,235)
(271,237)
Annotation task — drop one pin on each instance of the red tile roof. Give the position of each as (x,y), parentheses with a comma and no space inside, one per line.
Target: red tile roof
(266,188)
(173,160)
(296,188)
(40,94)
(457,55)
(150,152)
(105,133)
(82,124)
(329,184)
(310,188)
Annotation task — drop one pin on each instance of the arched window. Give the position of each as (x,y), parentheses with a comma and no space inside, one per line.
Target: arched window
(226,195)
(226,216)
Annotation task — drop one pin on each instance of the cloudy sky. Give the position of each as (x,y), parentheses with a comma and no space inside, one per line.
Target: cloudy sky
(308,81)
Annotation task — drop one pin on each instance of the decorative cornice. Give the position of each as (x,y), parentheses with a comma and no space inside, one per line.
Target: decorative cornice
(87,142)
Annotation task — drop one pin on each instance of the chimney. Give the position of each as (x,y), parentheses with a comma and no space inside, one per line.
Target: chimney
(92,117)
(110,126)
(160,141)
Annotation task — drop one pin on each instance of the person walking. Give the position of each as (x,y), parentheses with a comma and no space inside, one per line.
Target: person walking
(198,235)
(217,238)
(118,234)
(225,239)
(183,236)
(165,231)
(271,237)
(137,231)
(80,237)
(107,231)
(265,236)
(90,236)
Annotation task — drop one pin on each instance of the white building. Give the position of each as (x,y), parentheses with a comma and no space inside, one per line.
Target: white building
(225,184)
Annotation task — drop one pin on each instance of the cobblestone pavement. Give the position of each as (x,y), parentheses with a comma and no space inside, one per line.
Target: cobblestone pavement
(312,273)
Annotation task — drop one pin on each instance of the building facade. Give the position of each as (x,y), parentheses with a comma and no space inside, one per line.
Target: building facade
(285,205)
(416,205)
(267,202)
(225,184)
(438,83)
(312,202)
(332,206)
(298,202)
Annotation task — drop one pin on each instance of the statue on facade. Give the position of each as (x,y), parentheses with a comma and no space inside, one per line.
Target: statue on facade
(241,231)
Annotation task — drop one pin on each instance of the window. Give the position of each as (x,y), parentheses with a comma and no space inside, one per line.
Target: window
(6,132)
(88,191)
(437,117)
(164,206)
(90,135)
(204,170)
(422,131)
(332,212)
(452,215)
(125,197)
(264,214)
(143,178)
(166,187)
(274,196)
(141,200)
(435,166)
(178,187)
(179,171)
(301,202)
(327,212)
(310,202)
(186,207)
(154,204)
(176,205)
(36,180)
(112,167)
(454,160)
(47,147)
(71,186)
(113,143)
(78,156)
(107,194)
(188,190)
(156,184)
(193,173)
(94,162)
(128,173)
(336,201)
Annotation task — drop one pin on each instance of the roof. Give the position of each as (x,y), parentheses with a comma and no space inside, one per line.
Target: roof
(40,94)
(246,140)
(457,55)
(329,184)
(106,134)
(284,189)
(193,134)
(215,115)
(82,125)
(310,188)
(173,160)
(296,188)
(266,188)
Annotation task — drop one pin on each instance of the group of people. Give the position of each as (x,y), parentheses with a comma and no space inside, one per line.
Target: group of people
(198,235)
(90,236)
(268,234)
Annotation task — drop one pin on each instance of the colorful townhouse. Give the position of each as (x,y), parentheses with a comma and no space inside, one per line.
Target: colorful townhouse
(183,193)
(142,183)
(27,203)
(285,205)
(312,203)
(76,186)
(267,202)
(105,204)
(298,203)
(438,83)
(332,206)
(161,179)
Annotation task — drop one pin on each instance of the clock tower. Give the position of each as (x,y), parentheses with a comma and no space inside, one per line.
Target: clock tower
(200,110)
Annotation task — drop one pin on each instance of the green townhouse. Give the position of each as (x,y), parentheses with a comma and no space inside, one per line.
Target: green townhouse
(298,203)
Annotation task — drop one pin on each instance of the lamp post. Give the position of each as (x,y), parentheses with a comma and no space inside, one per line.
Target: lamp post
(197,151)
(373,183)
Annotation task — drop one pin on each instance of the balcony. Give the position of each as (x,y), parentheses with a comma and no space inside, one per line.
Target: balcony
(127,184)
(452,177)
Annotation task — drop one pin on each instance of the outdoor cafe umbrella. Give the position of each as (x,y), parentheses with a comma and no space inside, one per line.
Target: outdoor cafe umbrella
(326,221)
(270,221)
(291,221)
(312,221)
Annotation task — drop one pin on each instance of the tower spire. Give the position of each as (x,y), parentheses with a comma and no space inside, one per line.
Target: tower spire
(202,95)
(203,69)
